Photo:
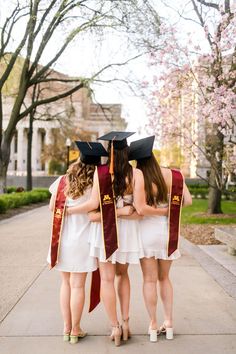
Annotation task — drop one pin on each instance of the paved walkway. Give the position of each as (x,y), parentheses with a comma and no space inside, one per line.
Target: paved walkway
(204,312)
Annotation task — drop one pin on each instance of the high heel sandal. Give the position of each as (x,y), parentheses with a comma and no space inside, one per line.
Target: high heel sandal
(152,334)
(126,334)
(167,331)
(75,338)
(66,337)
(116,334)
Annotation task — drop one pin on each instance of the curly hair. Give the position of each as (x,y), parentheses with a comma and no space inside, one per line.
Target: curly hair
(79,177)
(123,172)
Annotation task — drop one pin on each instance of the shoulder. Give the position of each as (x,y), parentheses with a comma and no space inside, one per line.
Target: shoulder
(137,173)
(137,176)
(165,171)
(53,187)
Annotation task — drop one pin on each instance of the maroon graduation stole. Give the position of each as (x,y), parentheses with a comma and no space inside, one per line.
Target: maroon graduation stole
(58,215)
(108,211)
(95,290)
(175,206)
(109,227)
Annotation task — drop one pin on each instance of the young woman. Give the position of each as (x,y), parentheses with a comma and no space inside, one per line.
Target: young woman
(74,261)
(128,186)
(154,234)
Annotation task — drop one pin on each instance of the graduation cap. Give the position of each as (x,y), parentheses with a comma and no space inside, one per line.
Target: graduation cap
(141,149)
(91,152)
(118,139)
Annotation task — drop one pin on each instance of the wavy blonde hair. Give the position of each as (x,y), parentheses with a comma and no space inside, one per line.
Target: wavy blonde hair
(79,177)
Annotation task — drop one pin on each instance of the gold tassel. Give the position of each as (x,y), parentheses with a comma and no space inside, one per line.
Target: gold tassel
(111,169)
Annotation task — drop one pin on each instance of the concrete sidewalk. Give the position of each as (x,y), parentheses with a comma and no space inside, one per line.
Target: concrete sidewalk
(204,313)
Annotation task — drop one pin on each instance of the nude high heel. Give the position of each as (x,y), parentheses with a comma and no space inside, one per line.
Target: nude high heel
(125,330)
(116,334)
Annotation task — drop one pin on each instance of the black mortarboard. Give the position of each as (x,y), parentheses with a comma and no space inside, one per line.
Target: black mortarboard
(118,139)
(141,149)
(91,152)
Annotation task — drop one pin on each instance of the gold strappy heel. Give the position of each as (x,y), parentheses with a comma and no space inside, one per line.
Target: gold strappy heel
(116,334)
(126,334)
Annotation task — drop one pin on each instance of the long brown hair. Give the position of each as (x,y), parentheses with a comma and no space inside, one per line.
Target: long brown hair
(79,177)
(123,172)
(152,175)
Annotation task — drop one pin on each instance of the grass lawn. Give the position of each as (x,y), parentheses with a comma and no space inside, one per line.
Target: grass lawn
(197,213)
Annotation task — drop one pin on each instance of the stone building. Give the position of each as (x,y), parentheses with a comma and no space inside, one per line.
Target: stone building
(78,110)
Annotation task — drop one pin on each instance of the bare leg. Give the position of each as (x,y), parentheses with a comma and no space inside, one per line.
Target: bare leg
(123,286)
(149,269)
(108,294)
(166,290)
(77,284)
(65,301)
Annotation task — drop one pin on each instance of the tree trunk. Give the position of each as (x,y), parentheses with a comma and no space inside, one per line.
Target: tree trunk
(214,201)
(216,145)
(3,177)
(29,184)
(4,162)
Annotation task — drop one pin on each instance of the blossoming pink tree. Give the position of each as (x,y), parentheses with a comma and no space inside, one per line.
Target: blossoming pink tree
(193,99)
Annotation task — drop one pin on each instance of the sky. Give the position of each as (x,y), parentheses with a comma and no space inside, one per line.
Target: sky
(85,56)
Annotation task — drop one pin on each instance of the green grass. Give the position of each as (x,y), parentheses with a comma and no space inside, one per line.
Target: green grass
(195,214)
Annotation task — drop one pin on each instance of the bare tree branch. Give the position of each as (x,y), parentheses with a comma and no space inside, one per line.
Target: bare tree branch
(209,4)
(199,15)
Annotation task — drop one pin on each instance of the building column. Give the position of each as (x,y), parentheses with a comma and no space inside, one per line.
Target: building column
(48,140)
(20,150)
(35,155)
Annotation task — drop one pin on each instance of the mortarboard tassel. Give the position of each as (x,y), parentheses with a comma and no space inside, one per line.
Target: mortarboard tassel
(111,168)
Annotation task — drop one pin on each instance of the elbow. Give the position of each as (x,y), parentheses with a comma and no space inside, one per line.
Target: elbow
(92,217)
(188,202)
(93,205)
(140,210)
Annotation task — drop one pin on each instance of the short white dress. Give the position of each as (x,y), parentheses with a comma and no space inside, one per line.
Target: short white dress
(154,236)
(74,246)
(130,245)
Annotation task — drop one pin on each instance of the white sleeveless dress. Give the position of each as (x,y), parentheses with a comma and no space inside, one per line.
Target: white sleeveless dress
(74,246)
(130,245)
(154,236)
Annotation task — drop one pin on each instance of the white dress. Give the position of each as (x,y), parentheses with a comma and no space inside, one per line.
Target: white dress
(74,246)
(130,245)
(154,236)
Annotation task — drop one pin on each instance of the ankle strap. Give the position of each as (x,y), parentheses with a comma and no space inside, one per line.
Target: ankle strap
(116,326)
(126,320)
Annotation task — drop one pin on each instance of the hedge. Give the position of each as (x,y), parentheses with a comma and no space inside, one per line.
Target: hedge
(202,192)
(16,200)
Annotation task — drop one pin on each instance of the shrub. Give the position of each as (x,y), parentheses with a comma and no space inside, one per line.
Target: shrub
(20,189)
(11,189)
(15,200)
(3,206)
(202,191)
